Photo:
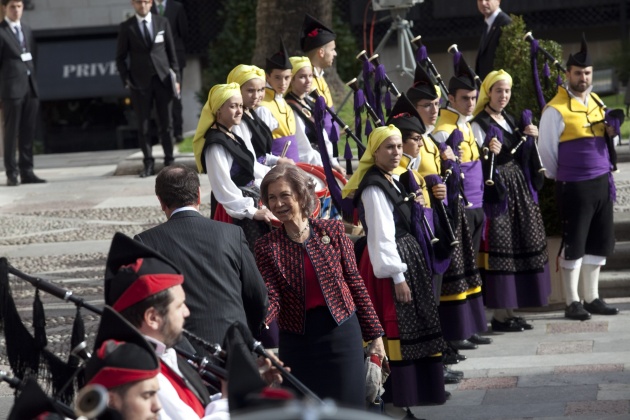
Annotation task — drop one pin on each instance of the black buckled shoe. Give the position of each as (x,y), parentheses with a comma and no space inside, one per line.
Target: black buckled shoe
(463,345)
(521,321)
(576,311)
(478,339)
(508,326)
(600,307)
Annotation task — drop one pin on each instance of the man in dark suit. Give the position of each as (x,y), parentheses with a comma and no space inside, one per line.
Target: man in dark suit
(18,93)
(176,15)
(146,41)
(222,282)
(495,20)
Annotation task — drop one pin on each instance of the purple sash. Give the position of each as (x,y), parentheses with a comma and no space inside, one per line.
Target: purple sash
(292,152)
(473,182)
(582,159)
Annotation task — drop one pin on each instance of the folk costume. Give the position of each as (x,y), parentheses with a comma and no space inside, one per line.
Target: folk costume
(322,307)
(574,151)
(230,165)
(413,337)
(133,273)
(513,254)
(280,118)
(315,35)
(254,132)
(470,164)
(303,109)
(460,302)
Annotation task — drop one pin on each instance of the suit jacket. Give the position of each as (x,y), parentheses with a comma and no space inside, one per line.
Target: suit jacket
(14,73)
(176,16)
(488,46)
(144,60)
(221,281)
(281,263)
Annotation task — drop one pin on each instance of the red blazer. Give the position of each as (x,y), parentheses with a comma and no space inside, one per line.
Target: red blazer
(281,264)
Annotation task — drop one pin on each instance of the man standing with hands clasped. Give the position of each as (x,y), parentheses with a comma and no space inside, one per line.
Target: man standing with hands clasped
(147,63)
(18,93)
(494,22)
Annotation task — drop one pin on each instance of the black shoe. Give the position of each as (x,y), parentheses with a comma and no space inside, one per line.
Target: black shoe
(600,307)
(508,326)
(521,321)
(477,339)
(450,377)
(447,394)
(147,171)
(12,181)
(168,162)
(32,179)
(463,345)
(179,138)
(457,373)
(576,311)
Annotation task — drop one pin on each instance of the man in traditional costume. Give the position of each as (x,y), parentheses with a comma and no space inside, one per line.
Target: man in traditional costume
(575,152)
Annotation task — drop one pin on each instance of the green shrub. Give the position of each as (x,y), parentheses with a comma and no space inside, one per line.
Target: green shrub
(513,56)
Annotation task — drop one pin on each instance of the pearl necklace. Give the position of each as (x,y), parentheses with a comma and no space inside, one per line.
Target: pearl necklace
(299,234)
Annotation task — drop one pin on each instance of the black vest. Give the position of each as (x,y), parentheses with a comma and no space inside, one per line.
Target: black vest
(239,153)
(375,177)
(262,138)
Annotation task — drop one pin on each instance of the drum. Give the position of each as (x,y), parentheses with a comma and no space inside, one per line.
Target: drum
(316,173)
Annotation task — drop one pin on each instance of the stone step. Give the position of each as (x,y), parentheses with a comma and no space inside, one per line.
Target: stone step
(621,257)
(622,226)
(614,283)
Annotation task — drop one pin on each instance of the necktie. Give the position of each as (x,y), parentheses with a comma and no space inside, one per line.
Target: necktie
(160,8)
(147,34)
(19,35)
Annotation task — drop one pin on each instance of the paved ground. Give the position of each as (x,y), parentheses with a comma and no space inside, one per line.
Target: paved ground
(61,231)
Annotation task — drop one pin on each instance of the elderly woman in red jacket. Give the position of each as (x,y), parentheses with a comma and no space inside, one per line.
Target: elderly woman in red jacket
(316,294)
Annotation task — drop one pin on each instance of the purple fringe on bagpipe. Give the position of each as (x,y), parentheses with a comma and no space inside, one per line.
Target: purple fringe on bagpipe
(417,225)
(528,149)
(534,61)
(379,81)
(368,69)
(439,266)
(359,103)
(342,205)
(421,54)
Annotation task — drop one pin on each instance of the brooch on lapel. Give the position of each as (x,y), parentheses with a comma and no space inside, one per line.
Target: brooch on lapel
(325,238)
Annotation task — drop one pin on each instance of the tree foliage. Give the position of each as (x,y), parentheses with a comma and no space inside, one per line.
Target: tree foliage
(233,46)
(513,56)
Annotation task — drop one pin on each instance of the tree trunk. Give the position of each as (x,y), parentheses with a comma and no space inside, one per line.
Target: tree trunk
(283,18)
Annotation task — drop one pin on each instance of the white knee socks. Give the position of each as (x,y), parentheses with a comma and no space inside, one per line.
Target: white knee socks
(570,279)
(589,277)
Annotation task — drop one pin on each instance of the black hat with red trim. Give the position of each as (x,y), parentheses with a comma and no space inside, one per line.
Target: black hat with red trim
(279,60)
(33,403)
(315,34)
(423,86)
(580,58)
(405,116)
(121,354)
(134,272)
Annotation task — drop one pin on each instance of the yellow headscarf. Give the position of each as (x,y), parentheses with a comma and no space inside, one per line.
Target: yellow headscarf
(243,73)
(377,137)
(299,63)
(217,97)
(484,91)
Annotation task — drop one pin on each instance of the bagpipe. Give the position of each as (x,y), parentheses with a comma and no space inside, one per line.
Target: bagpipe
(26,354)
